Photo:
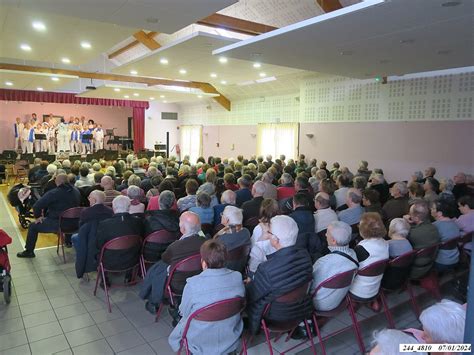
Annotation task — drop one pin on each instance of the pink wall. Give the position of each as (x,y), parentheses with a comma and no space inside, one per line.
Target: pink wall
(109,117)
(399,148)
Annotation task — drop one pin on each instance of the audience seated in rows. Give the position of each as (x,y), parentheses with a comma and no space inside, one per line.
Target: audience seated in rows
(324,214)
(444,214)
(302,215)
(244,193)
(398,206)
(354,211)
(185,203)
(203,208)
(251,208)
(228,198)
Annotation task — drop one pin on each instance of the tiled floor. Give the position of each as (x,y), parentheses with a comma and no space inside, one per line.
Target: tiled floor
(52,312)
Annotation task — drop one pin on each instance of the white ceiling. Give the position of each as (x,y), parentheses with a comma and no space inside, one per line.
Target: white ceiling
(27,81)
(366,40)
(144,94)
(61,38)
(193,53)
(165,16)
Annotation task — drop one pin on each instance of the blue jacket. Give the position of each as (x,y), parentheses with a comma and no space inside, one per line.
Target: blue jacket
(304,219)
(57,200)
(242,195)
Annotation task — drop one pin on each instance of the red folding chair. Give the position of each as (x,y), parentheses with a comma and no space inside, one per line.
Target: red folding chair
(288,326)
(214,312)
(68,224)
(237,258)
(375,269)
(162,237)
(430,280)
(251,223)
(465,255)
(191,265)
(338,281)
(119,243)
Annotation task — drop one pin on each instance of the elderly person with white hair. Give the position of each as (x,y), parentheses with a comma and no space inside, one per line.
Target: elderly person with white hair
(354,211)
(398,206)
(134,193)
(340,259)
(446,186)
(228,198)
(252,208)
(233,235)
(286,269)
(270,189)
(387,342)
(287,188)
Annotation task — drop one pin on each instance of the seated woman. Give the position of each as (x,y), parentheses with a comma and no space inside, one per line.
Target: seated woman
(444,213)
(394,277)
(134,194)
(215,283)
(261,246)
(371,249)
(203,208)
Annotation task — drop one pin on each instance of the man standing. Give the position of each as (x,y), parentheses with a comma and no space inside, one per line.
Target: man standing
(17,129)
(47,211)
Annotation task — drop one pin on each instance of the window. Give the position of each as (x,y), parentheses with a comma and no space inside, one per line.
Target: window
(278,138)
(191,142)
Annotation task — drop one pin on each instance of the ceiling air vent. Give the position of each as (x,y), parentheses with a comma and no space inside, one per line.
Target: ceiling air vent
(169,116)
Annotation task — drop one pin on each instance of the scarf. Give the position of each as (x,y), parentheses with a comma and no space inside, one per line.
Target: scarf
(31,136)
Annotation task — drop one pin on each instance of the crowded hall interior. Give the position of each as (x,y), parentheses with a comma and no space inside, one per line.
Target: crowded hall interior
(236,177)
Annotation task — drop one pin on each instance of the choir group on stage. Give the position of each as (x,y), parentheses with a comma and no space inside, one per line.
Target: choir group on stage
(73,136)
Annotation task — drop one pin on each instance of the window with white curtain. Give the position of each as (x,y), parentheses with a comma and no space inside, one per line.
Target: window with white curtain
(191,142)
(278,138)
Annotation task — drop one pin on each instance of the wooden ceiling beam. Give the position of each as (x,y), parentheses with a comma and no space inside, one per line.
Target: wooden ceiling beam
(136,42)
(204,87)
(329,5)
(146,40)
(236,24)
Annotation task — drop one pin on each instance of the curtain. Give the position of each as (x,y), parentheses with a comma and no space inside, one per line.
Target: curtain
(191,142)
(138,128)
(278,138)
(65,98)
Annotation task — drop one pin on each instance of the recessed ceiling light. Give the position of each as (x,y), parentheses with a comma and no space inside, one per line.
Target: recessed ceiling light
(8,83)
(183,71)
(117,89)
(162,96)
(165,102)
(257,65)
(126,96)
(25,47)
(164,61)
(136,94)
(86,45)
(346,53)
(262,75)
(55,78)
(199,96)
(133,72)
(39,88)
(213,75)
(152,98)
(223,60)
(66,60)
(38,26)
(407,41)
(223,82)
(451,3)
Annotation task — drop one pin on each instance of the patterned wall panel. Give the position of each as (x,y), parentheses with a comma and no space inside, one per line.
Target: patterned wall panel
(338,99)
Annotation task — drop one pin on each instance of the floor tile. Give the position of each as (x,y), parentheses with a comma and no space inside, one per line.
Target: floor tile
(43,331)
(116,326)
(70,311)
(13,340)
(28,287)
(31,308)
(162,347)
(96,347)
(125,341)
(103,315)
(19,350)
(83,336)
(32,297)
(61,291)
(155,331)
(49,345)
(11,325)
(39,318)
(8,312)
(144,349)
(61,301)
(76,322)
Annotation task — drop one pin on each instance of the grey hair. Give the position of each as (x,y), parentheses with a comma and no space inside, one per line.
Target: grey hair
(66,163)
(51,169)
(98,195)
(321,174)
(418,174)
(229,197)
(203,199)
(152,171)
(166,200)
(389,340)
(354,195)
(448,184)
(233,214)
(341,232)
(133,192)
(399,226)
(444,322)
(121,204)
(135,164)
(314,170)
(129,158)
(285,229)
(259,188)
(96,167)
(286,178)
(401,187)
(134,180)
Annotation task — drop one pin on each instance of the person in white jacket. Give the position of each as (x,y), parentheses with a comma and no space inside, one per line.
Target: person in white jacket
(28,138)
(370,250)
(98,138)
(63,137)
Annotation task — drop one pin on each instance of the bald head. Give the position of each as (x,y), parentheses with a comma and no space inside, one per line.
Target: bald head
(61,179)
(322,201)
(189,223)
(107,183)
(96,197)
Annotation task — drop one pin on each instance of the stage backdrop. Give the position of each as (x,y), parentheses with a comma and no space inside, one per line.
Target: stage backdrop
(108,116)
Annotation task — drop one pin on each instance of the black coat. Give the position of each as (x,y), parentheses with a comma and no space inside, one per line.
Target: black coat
(56,201)
(304,219)
(284,271)
(155,221)
(120,224)
(252,208)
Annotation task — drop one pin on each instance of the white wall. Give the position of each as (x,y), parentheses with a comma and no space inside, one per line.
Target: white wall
(156,128)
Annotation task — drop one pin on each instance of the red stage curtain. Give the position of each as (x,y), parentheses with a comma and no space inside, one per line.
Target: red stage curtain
(65,98)
(138,128)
